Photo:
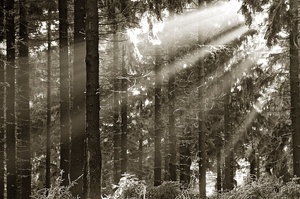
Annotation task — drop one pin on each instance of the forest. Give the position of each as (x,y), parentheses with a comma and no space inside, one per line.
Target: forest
(149,99)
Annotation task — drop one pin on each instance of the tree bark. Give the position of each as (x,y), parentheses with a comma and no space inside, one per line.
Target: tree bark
(64,91)
(10,101)
(228,181)
(185,156)
(294,86)
(201,124)
(23,103)
(172,133)
(116,136)
(158,122)
(78,111)
(48,145)
(2,79)
(124,114)
(219,172)
(94,159)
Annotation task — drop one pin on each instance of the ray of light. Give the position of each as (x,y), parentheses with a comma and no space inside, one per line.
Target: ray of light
(191,58)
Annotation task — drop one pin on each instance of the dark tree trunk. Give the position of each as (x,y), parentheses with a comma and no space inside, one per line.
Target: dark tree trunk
(48,145)
(23,103)
(141,158)
(2,79)
(64,91)
(10,102)
(228,181)
(116,137)
(158,122)
(294,86)
(172,133)
(201,123)
(185,157)
(94,159)
(78,111)
(219,172)
(252,160)
(124,115)
(141,139)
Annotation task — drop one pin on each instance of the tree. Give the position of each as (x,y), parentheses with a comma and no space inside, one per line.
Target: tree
(294,86)
(279,18)
(201,123)
(116,95)
(78,111)
(93,154)
(158,119)
(2,79)
(48,131)
(172,134)
(64,91)
(124,100)
(23,102)
(10,101)
(228,181)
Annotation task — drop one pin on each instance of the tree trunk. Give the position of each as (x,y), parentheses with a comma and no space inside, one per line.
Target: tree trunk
(294,86)
(78,111)
(158,122)
(201,124)
(219,172)
(48,145)
(64,92)
(185,156)
(252,160)
(23,103)
(228,181)
(93,158)
(172,133)
(141,139)
(10,102)
(124,115)
(2,79)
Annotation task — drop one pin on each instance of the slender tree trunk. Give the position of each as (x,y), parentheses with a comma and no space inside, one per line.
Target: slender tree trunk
(294,86)
(158,122)
(172,133)
(78,111)
(141,139)
(185,156)
(201,124)
(228,181)
(252,160)
(64,92)
(94,158)
(10,102)
(141,158)
(124,115)
(257,167)
(116,137)
(23,103)
(219,172)
(2,79)
(48,145)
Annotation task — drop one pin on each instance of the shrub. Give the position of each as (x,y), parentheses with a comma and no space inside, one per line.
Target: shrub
(56,191)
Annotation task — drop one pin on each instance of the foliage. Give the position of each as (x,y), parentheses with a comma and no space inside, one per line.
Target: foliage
(56,191)
(130,187)
(263,189)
